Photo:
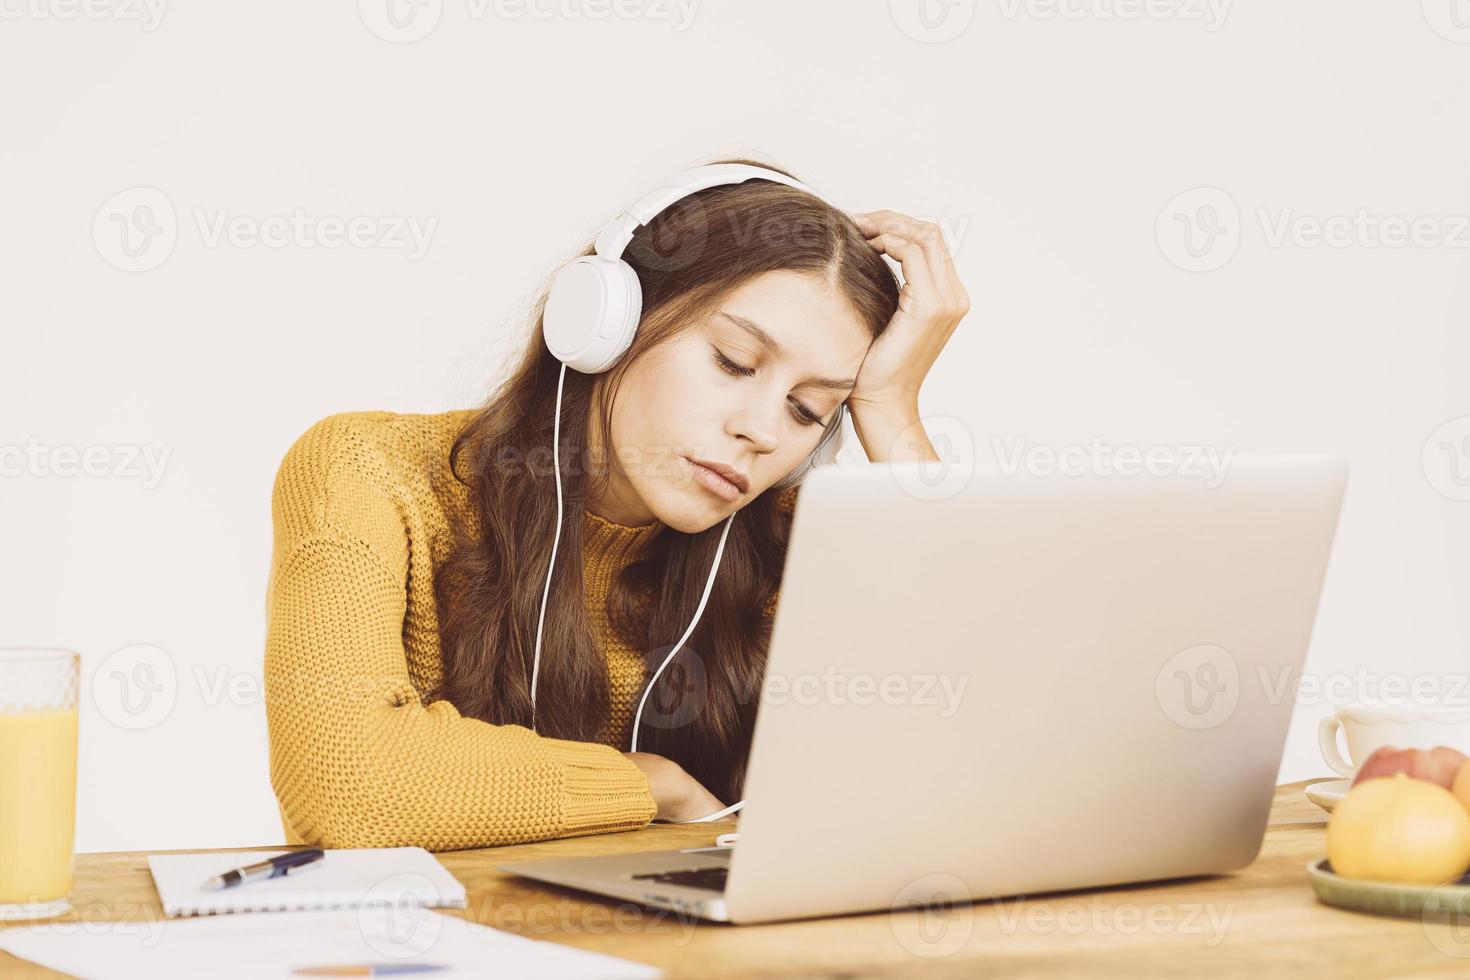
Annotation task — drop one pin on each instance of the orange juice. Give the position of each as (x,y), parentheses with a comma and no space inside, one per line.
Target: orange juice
(38,786)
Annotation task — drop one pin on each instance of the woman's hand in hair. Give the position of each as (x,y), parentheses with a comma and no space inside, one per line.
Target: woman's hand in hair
(931,304)
(679,795)
(885,401)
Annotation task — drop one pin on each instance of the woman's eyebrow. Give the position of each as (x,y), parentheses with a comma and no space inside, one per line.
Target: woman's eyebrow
(770,343)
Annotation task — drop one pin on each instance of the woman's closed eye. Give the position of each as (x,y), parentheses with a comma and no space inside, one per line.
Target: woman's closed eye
(803,414)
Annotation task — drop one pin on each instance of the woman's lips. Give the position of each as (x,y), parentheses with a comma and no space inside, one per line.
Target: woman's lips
(713,482)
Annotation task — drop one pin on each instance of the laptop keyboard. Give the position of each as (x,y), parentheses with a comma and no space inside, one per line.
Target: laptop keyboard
(711,878)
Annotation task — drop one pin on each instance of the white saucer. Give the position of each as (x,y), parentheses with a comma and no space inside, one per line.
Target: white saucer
(1329,793)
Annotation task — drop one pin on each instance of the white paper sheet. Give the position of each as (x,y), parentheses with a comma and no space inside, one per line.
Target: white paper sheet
(343,879)
(262,945)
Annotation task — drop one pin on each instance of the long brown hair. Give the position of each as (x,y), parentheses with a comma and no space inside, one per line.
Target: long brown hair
(489,590)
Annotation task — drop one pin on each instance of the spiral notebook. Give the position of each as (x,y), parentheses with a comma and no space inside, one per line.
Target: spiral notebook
(347,878)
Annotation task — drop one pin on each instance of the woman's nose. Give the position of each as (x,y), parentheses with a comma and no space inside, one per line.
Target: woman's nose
(758,426)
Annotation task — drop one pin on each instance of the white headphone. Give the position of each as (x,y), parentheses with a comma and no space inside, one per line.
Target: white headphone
(590,318)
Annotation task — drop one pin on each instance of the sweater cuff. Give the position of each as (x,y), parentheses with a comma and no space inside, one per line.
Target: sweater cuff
(602,790)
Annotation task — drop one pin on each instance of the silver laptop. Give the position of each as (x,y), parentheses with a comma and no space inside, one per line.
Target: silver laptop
(986,684)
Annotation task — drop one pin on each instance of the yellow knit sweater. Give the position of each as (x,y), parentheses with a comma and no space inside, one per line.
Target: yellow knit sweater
(362,507)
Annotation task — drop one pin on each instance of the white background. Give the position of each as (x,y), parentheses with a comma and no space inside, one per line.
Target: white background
(1049,142)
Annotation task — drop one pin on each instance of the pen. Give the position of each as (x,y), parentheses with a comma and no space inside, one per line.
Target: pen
(281,864)
(368,969)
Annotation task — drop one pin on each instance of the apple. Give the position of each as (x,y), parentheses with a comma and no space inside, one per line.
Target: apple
(1438,765)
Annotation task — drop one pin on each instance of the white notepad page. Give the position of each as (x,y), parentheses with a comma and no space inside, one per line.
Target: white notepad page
(347,878)
(267,946)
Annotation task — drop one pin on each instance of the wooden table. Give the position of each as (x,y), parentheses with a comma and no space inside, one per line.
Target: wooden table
(1263,921)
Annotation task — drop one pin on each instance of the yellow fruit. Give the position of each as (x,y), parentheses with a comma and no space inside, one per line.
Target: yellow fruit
(1397,828)
(1461,787)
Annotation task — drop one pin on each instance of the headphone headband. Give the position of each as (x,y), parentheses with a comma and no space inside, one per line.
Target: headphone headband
(619,229)
(595,302)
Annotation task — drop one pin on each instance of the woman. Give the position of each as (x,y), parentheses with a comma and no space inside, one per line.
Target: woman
(410,551)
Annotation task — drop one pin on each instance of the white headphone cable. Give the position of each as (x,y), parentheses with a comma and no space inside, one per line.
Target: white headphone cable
(556,462)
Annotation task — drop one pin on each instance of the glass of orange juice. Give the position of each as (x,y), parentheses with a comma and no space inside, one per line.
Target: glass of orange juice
(38,780)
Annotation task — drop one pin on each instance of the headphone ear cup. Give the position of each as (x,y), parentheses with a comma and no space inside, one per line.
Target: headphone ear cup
(592,312)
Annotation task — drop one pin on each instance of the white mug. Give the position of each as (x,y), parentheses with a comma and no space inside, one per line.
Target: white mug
(1369,728)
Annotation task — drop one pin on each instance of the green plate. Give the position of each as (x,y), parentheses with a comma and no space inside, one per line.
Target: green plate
(1450,900)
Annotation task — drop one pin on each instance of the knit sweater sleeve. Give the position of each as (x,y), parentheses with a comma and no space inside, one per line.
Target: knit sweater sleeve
(356,758)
